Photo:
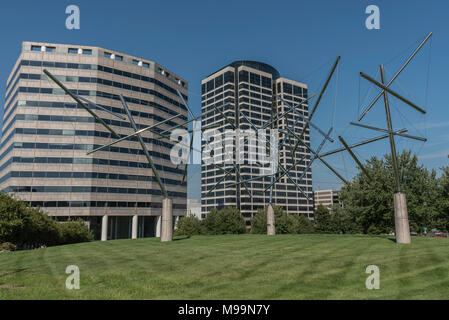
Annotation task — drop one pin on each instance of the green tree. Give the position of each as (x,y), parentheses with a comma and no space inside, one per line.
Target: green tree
(323,220)
(284,222)
(371,205)
(21,224)
(225,221)
(189,226)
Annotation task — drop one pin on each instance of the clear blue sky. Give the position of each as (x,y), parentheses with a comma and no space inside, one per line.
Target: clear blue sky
(299,38)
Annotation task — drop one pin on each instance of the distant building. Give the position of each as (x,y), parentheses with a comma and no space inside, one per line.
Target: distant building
(194,209)
(254,89)
(327,198)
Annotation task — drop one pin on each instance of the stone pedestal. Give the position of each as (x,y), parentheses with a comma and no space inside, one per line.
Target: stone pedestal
(157,226)
(134,226)
(167,220)
(401,219)
(271,229)
(104,228)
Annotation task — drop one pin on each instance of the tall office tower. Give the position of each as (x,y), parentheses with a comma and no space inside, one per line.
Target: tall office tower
(253,89)
(46,135)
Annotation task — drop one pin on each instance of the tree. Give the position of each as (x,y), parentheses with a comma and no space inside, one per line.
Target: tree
(371,205)
(284,222)
(443,204)
(22,225)
(190,226)
(225,221)
(323,220)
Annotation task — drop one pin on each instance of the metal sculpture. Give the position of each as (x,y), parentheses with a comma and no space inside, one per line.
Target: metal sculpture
(167,207)
(277,169)
(400,204)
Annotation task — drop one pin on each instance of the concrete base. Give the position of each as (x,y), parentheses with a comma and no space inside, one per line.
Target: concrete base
(134,226)
(401,219)
(271,229)
(104,228)
(167,220)
(158,226)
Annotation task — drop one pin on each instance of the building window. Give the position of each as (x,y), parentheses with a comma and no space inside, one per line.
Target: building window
(229,76)
(73,51)
(50,49)
(118,58)
(35,48)
(145,64)
(107,55)
(243,76)
(87,51)
(210,85)
(219,81)
(288,88)
(266,82)
(255,78)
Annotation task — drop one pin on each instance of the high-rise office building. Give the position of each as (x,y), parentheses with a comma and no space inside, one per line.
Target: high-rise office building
(255,90)
(46,135)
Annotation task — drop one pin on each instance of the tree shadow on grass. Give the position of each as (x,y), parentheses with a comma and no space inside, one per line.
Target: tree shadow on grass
(14,271)
(182,238)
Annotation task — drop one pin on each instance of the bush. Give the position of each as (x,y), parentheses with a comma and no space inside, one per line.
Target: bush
(8,246)
(224,221)
(284,222)
(23,225)
(74,232)
(189,226)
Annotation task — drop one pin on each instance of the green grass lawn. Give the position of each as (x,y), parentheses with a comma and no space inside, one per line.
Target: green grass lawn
(232,267)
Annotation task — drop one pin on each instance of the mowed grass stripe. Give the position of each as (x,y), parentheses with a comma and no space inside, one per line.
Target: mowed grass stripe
(232,267)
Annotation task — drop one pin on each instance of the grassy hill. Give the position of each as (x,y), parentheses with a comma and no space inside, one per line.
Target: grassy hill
(232,267)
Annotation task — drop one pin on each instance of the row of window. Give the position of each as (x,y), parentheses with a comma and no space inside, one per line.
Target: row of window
(218,91)
(89,161)
(85,175)
(89,189)
(92,93)
(101,204)
(105,82)
(64,65)
(68,105)
(227,77)
(85,133)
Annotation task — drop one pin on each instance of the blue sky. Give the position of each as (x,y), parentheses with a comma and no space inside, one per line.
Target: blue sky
(299,38)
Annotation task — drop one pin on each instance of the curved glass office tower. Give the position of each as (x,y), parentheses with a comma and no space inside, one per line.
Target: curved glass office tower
(254,89)
(46,135)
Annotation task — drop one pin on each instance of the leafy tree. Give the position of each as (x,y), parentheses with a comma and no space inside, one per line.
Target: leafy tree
(21,224)
(225,221)
(323,220)
(190,226)
(74,231)
(371,205)
(443,204)
(284,222)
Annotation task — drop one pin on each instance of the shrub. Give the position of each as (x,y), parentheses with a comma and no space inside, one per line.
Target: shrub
(74,232)
(284,222)
(8,246)
(23,225)
(224,221)
(189,226)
